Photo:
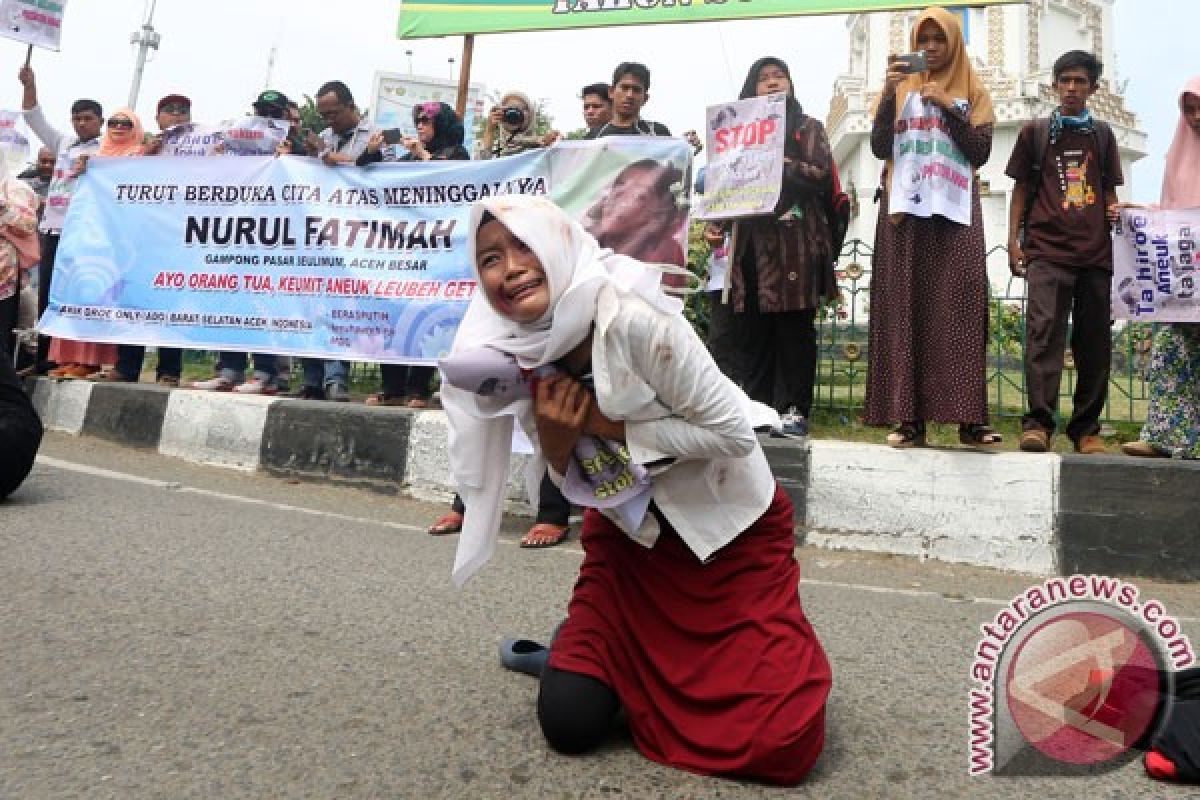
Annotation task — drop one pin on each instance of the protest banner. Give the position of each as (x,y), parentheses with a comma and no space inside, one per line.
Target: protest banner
(930,175)
(395,94)
(420,18)
(252,136)
(13,141)
(285,255)
(745,158)
(194,140)
(1155,266)
(35,22)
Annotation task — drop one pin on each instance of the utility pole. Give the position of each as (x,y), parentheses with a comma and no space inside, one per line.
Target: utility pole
(146,39)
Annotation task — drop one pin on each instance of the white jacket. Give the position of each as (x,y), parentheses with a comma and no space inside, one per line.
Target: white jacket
(684,419)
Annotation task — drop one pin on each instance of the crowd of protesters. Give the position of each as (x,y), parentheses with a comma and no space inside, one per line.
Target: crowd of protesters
(929,315)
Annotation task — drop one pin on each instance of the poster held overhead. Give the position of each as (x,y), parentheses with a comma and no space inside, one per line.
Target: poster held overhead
(35,22)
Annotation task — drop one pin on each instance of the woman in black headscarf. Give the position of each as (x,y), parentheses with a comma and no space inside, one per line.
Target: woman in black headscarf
(782,264)
(439,138)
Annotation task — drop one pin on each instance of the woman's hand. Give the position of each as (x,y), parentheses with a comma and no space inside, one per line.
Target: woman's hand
(154,145)
(561,406)
(933,93)
(601,426)
(550,138)
(414,146)
(894,77)
(496,116)
(714,234)
(375,143)
(1114,211)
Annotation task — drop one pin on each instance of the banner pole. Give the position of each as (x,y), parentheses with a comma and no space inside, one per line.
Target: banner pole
(28,55)
(464,75)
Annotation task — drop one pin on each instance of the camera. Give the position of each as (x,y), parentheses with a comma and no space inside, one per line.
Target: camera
(913,62)
(514,116)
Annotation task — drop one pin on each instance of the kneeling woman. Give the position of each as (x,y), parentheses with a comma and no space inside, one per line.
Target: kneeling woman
(691,620)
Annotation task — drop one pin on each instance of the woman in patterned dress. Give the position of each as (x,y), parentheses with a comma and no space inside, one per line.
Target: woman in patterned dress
(1173,420)
(929,290)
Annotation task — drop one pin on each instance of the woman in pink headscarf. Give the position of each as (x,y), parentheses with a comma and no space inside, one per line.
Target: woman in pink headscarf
(123,136)
(1173,420)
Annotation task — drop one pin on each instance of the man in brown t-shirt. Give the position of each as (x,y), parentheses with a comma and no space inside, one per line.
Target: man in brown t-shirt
(1065,254)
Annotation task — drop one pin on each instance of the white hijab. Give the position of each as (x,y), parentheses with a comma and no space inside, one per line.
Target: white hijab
(576,269)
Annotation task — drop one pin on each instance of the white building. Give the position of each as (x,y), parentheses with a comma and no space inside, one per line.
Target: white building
(1013,48)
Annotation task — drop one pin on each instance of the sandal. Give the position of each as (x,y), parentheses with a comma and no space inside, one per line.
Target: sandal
(910,434)
(978,435)
(448,523)
(418,403)
(547,534)
(381,399)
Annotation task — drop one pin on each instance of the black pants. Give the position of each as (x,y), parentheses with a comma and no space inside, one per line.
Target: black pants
(725,340)
(576,711)
(45,274)
(20,430)
(1054,293)
(400,380)
(8,323)
(131,356)
(779,350)
(553,508)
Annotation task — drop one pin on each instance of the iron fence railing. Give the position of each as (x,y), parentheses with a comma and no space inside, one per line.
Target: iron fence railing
(843,344)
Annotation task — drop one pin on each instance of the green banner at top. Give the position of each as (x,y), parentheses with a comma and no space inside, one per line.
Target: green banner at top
(421,18)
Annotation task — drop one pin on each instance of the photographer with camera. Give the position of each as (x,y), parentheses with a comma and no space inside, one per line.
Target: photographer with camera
(510,128)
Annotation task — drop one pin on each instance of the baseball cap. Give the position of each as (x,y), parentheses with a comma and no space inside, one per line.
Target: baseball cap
(272,99)
(174,100)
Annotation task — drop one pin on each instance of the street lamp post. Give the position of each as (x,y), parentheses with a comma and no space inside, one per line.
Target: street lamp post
(146,39)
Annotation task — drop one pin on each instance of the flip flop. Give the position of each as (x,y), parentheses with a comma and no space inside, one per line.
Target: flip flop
(524,655)
(558,535)
(449,523)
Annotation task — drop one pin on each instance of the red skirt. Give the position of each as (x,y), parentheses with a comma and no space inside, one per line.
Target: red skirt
(717,667)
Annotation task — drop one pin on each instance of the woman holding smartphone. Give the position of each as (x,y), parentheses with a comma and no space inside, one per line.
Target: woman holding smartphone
(929,290)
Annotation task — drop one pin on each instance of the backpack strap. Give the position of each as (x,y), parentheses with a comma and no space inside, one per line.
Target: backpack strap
(1041,144)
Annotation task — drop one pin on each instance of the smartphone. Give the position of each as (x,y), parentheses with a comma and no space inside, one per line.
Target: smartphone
(913,62)
(393,135)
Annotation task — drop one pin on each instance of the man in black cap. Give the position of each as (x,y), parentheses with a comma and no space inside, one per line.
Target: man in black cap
(274,104)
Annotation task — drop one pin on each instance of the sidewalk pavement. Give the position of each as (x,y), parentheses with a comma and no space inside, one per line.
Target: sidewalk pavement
(1043,514)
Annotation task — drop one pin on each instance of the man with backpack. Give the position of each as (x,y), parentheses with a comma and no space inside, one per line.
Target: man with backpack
(1066,169)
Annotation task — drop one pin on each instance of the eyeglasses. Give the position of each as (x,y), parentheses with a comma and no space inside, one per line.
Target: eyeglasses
(120,122)
(174,108)
(424,121)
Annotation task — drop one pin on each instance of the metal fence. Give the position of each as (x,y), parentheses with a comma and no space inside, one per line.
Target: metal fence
(842,348)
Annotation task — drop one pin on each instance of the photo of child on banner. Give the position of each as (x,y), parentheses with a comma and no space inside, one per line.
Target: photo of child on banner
(1155,266)
(745,162)
(931,175)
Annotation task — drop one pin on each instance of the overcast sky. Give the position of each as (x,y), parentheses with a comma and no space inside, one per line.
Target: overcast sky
(217,53)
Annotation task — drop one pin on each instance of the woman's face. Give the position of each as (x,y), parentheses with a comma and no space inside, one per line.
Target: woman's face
(120,128)
(772,80)
(1191,111)
(425,129)
(513,278)
(932,39)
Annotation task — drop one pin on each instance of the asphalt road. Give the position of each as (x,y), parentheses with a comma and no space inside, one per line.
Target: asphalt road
(172,631)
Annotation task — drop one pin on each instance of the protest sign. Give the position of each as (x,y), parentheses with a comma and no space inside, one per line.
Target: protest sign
(194,140)
(930,174)
(420,18)
(745,158)
(13,141)
(252,136)
(395,95)
(35,22)
(285,255)
(1154,266)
